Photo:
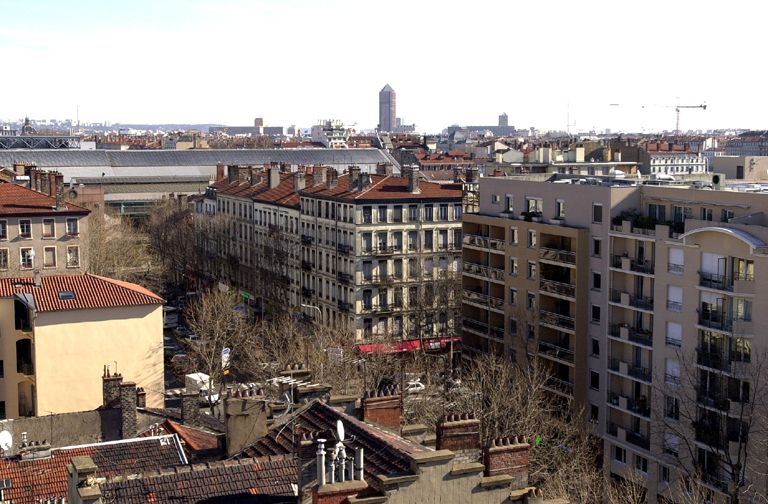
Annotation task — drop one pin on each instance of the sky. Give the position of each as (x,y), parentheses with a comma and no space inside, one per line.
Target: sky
(548,64)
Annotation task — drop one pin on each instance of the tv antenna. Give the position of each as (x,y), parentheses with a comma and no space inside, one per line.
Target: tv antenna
(6,440)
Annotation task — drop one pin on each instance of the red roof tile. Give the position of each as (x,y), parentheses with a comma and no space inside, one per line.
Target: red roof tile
(196,439)
(90,291)
(16,200)
(384,188)
(47,477)
(283,195)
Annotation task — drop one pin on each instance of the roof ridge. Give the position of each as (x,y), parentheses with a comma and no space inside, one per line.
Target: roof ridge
(372,186)
(130,286)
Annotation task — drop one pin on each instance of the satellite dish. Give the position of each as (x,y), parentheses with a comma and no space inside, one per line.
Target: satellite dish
(6,440)
(340,430)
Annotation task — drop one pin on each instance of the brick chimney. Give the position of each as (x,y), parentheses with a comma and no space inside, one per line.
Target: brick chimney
(461,435)
(60,203)
(384,169)
(48,183)
(233,173)
(128,410)
(245,419)
(245,174)
(299,180)
(110,386)
(354,178)
(81,485)
(414,180)
(318,175)
(383,407)
(190,407)
(333,178)
(141,398)
(274,176)
(508,456)
(219,171)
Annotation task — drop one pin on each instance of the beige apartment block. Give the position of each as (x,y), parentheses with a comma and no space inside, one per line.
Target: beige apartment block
(642,302)
(58,332)
(40,231)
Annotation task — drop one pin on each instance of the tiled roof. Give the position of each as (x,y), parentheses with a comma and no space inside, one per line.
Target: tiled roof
(384,188)
(385,453)
(47,477)
(196,439)
(283,194)
(90,291)
(256,480)
(18,200)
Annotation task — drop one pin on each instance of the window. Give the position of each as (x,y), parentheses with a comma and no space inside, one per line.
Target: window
(512,326)
(671,407)
(594,413)
(597,280)
(512,296)
(513,266)
(560,209)
(674,334)
(619,454)
(27,256)
(726,215)
(594,380)
(73,257)
(442,212)
(382,217)
(457,239)
(2,369)
(457,212)
(25,228)
(595,313)
(429,213)
(674,298)
(442,239)
(73,228)
(48,228)
(675,261)
(367,215)
(534,205)
(428,239)
(531,301)
(413,213)
(664,474)
(397,214)
(509,206)
(641,464)
(512,235)
(412,240)
(532,238)
(595,347)
(657,212)
(531,332)
(672,372)
(413,267)
(706,214)
(671,443)
(597,213)
(3,259)
(3,230)
(531,270)
(495,199)
(2,410)
(49,257)
(597,247)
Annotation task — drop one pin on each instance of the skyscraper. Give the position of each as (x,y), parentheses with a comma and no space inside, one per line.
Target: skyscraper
(387,114)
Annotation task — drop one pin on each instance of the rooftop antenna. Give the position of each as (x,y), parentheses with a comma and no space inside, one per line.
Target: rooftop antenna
(6,440)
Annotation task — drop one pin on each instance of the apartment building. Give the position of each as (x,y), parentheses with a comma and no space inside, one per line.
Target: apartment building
(39,230)
(381,253)
(640,301)
(58,331)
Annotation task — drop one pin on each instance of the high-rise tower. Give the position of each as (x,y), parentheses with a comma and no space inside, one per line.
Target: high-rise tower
(387,114)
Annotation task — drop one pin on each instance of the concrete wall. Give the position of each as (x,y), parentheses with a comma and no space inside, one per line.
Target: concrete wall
(752,167)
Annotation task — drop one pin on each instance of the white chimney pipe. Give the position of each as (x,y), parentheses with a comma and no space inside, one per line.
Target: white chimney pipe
(321,462)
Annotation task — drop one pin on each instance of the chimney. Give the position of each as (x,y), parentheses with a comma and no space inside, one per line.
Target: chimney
(245,419)
(48,183)
(274,177)
(472,174)
(384,169)
(190,407)
(354,178)
(233,173)
(128,410)
(383,408)
(461,435)
(38,279)
(333,178)
(81,485)
(508,456)
(219,171)
(339,478)
(457,173)
(299,180)
(110,386)
(413,180)
(60,204)
(318,175)
(141,398)
(365,180)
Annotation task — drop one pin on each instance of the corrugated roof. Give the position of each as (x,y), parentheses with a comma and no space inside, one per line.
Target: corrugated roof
(89,291)
(46,478)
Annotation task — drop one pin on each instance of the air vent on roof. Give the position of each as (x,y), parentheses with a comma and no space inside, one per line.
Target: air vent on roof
(66,295)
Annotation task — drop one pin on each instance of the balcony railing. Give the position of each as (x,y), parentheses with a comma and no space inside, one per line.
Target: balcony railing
(634,334)
(559,288)
(307,239)
(678,269)
(638,439)
(556,351)
(624,262)
(344,248)
(475,240)
(563,386)
(714,360)
(344,278)
(307,292)
(483,299)
(307,265)
(486,271)
(557,320)
(714,400)
(557,255)
(639,405)
(715,281)
(639,372)
(642,302)
(25,368)
(384,250)
(344,306)
(675,306)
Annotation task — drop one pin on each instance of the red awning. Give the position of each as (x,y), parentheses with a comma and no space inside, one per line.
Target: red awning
(406,345)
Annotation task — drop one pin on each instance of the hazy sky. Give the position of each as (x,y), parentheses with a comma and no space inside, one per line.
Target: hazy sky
(293,62)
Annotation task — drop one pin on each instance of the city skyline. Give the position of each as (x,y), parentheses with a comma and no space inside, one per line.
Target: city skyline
(299,62)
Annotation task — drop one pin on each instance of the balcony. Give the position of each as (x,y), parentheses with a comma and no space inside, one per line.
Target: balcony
(560,386)
(384,308)
(344,248)
(484,271)
(715,281)
(557,255)
(25,368)
(307,265)
(344,278)
(558,288)
(344,306)
(636,438)
(307,239)
(634,334)
(474,240)
(639,406)
(624,368)
(556,351)
(627,299)
(384,249)
(713,360)
(713,400)
(557,320)
(307,292)
(625,263)
(628,227)
(483,299)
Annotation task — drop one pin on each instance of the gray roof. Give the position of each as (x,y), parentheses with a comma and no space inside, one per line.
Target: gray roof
(63,158)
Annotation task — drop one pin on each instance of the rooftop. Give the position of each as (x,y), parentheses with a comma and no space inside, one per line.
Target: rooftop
(78,292)
(16,200)
(384,188)
(46,478)
(284,194)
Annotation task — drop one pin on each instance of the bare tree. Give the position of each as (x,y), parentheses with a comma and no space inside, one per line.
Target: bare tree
(171,230)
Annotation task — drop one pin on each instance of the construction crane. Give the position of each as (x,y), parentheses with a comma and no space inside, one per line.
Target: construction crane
(703,106)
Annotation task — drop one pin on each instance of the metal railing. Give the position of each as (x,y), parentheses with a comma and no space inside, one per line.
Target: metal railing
(486,271)
(344,306)
(483,299)
(642,302)
(560,288)
(675,268)
(343,248)
(715,281)
(556,319)
(558,255)
(645,266)
(675,306)
(560,385)
(714,360)
(639,372)
(641,405)
(557,351)
(634,334)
